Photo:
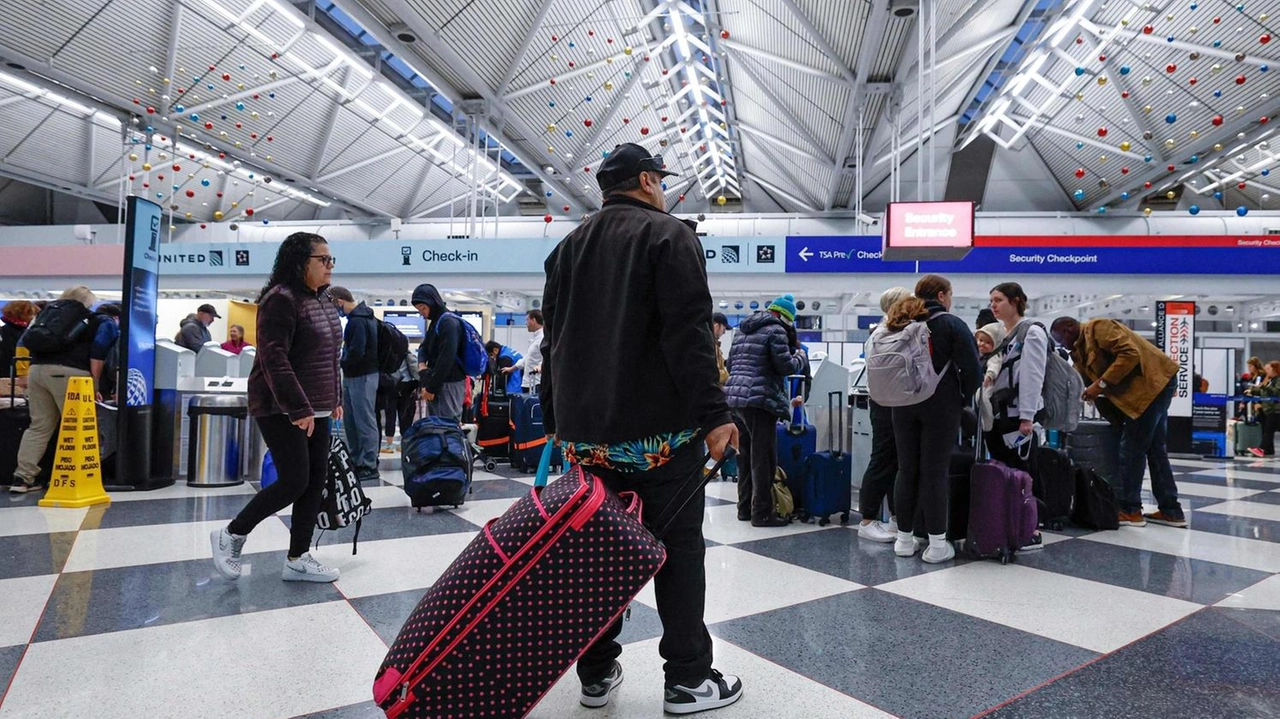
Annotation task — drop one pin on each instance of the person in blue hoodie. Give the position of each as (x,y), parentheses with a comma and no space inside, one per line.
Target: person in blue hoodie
(763,354)
(359,382)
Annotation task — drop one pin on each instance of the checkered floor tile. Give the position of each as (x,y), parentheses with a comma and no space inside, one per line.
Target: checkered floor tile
(115,612)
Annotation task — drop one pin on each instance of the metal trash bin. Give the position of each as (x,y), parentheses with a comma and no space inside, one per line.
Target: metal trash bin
(255,450)
(217,439)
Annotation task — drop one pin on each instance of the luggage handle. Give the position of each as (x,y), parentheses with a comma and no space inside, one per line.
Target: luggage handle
(696,480)
(833,401)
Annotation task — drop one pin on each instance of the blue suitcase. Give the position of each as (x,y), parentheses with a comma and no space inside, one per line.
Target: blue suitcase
(528,436)
(797,440)
(828,476)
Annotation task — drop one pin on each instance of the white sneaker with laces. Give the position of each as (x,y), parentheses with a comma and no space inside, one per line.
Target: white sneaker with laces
(307,569)
(939,551)
(906,545)
(715,692)
(878,531)
(226,552)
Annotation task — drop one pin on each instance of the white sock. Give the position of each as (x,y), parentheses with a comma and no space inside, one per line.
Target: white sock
(905,537)
(937,540)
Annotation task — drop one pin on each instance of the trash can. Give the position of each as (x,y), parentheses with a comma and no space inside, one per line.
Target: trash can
(217,437)
(253,452)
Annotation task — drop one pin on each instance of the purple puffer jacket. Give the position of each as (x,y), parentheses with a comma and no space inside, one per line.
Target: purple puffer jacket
(299,345)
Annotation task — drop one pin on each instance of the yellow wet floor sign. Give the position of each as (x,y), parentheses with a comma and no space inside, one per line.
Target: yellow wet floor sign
(77,471)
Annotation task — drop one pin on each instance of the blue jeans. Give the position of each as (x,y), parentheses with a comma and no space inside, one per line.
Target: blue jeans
(1143,444)
(360,418)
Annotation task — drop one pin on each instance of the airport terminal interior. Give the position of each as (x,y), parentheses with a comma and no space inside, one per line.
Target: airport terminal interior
(1113,158)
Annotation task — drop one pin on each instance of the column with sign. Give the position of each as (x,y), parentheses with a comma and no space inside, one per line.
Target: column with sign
(1175,334)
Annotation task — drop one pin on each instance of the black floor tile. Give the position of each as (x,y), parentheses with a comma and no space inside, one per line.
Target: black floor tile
(1245,527)
(841,554)
(9,658)
(166,511)
(29,555)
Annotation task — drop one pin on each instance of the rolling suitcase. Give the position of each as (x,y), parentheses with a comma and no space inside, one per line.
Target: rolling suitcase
(1002,511)
(959,472)
(436,463)
(493,430)
(1054,485)
(527,435)
(523,601)
(797,439)
(1247,435)
(1091,445)
(828,476)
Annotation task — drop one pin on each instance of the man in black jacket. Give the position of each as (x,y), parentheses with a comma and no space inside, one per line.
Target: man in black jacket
(442,378)
(359,382)
(630,388)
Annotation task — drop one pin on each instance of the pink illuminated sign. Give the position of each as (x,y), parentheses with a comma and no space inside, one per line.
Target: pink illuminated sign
(928,230)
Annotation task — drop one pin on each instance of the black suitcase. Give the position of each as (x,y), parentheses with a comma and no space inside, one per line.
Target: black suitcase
(493,432)
(1095,502)
(1054,484)
(1091,446)
(13,423)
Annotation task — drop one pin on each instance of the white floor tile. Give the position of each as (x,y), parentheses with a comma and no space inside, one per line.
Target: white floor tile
(1212,491)
(40,520)
(722,525)
(1196,463)
(481,511)
(1046,603)
(153,544)
(180,490)
(1233,473)
(393,565)
(24,601)
(723,490)
(734,585)
(1249,510)
(1053,538)
(1263,595)
(264,665)
(764,687)
(1247,553)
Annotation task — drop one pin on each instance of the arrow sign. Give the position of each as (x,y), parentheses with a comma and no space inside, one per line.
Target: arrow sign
(805,254)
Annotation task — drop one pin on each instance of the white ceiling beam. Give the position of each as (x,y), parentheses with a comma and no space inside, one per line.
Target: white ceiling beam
(785,110)
(416,197)
(790,147)
(363,163)
(326,135)
(782,167)
(819,39)
(535,29)
(90,151)
(741,48)
(1254,61)
(877,21)
(231,99)
(1047,126)
(774,188)
(571,75)
(1002,36)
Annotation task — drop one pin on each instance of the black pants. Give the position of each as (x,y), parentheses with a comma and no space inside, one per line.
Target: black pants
(926,436)
(1023,459)
(882,468)
(399,403)
(757,461)
(1270,424)
(302,464)
(680,586)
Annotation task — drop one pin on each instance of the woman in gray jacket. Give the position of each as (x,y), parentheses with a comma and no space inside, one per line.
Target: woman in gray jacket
(760,359)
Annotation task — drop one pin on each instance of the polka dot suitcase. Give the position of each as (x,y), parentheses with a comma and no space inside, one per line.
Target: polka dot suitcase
(521,603)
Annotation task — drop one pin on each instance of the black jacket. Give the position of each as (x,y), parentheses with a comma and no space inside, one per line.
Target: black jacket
(193,334)
(953,342)
(439,349)
(9,336)
(360,343)
(627,351)
(759,361)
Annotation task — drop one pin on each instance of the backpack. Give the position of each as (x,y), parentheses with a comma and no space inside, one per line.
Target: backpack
(899,365)
(392,348)
(1095,505)
(436,463)
(343,502)
(1062,387)
(59,327)
(472,355)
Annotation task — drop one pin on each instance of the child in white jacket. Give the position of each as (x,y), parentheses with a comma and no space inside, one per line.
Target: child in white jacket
(989,338)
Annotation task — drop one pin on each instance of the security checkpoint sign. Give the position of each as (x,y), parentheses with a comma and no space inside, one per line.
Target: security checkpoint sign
(77,470)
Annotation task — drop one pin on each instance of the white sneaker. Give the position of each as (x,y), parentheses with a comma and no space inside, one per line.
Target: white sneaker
(878,531)
(939,551)
(226,552)
(906,545)
(307,569)
(715,692)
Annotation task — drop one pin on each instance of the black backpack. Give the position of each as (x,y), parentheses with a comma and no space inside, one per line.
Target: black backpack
(1095,502)
(392,348)
(59,327)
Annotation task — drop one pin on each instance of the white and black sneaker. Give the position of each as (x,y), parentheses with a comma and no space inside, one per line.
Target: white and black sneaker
(307,569)
(597,695)
(226,552)
(715,692)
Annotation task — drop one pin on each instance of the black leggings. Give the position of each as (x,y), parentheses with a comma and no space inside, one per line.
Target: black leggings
(882,468)
(302,464)
(926,435)
(1270,423)
(400,404)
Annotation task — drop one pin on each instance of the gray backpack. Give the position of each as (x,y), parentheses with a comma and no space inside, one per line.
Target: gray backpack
(900,369)
(1062,388)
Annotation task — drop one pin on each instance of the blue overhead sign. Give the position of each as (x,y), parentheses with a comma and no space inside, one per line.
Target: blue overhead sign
(840,253)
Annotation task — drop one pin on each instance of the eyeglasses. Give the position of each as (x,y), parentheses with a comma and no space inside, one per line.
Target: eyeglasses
(326,260)
(651,164)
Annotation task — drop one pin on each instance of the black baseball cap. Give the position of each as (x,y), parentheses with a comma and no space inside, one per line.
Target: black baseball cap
(718,318)
(625,162)
(209,310)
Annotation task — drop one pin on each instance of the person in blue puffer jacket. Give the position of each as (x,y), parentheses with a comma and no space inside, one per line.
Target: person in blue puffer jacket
(762,356)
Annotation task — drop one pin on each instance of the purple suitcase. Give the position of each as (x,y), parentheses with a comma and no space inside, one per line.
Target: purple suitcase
(1002,511)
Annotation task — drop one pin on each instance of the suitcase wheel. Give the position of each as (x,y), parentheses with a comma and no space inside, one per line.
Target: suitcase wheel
(1004,558)
(844,518)
(823,522)
(490,466)
(1056,525)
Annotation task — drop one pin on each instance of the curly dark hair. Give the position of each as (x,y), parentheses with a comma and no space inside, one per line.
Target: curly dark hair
(291,261)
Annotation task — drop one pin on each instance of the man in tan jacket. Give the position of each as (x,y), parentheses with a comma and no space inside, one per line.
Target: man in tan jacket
(720,325)
(1132,383)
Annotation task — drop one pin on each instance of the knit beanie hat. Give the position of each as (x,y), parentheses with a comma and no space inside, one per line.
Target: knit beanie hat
(995,331)
(785,306)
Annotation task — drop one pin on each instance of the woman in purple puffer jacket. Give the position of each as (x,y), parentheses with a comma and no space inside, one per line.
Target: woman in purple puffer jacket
(295,389)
